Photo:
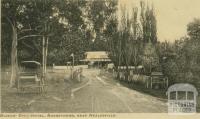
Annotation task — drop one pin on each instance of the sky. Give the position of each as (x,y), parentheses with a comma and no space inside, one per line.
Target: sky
(172,16)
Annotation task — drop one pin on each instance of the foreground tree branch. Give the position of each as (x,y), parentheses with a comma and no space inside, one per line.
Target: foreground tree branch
(28,36)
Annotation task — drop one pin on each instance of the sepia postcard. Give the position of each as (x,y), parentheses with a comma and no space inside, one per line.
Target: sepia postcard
(132,59)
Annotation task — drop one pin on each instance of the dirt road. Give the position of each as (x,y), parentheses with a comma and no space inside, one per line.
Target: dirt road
(98,95)
(102,96)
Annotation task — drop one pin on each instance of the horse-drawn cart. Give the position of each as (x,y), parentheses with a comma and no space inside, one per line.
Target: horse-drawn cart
(30,77)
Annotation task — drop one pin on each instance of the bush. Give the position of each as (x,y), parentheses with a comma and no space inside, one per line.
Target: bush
(171,70)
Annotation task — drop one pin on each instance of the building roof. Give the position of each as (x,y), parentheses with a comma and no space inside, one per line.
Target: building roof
(96,56)
(156,74)
(31,62)
(182,87)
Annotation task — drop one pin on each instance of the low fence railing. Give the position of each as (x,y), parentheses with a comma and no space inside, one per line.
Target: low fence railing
(132,77)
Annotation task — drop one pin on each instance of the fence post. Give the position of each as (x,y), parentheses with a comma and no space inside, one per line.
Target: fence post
(78,75)
(53,67)
(72,73)
(167,82)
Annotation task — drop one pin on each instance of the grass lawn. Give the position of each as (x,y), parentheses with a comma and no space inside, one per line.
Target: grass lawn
(33,102)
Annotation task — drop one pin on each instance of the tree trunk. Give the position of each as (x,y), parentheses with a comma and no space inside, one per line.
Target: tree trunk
(119,61)
(135,60)
(14,64)
(126,73)
(45,58)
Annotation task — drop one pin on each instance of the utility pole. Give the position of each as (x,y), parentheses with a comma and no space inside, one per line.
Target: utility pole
(45,59)
(0,60)
(72,55)
(72,70)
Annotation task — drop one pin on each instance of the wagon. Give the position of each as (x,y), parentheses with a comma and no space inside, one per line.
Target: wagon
(30,77)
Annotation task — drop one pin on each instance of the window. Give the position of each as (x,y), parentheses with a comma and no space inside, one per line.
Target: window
(181,95)
(190,95)
(172,95)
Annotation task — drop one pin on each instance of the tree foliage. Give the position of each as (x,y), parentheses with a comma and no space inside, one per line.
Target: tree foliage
(135,39)
(182,57)
(193,29)
(100,15)
(148,21)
